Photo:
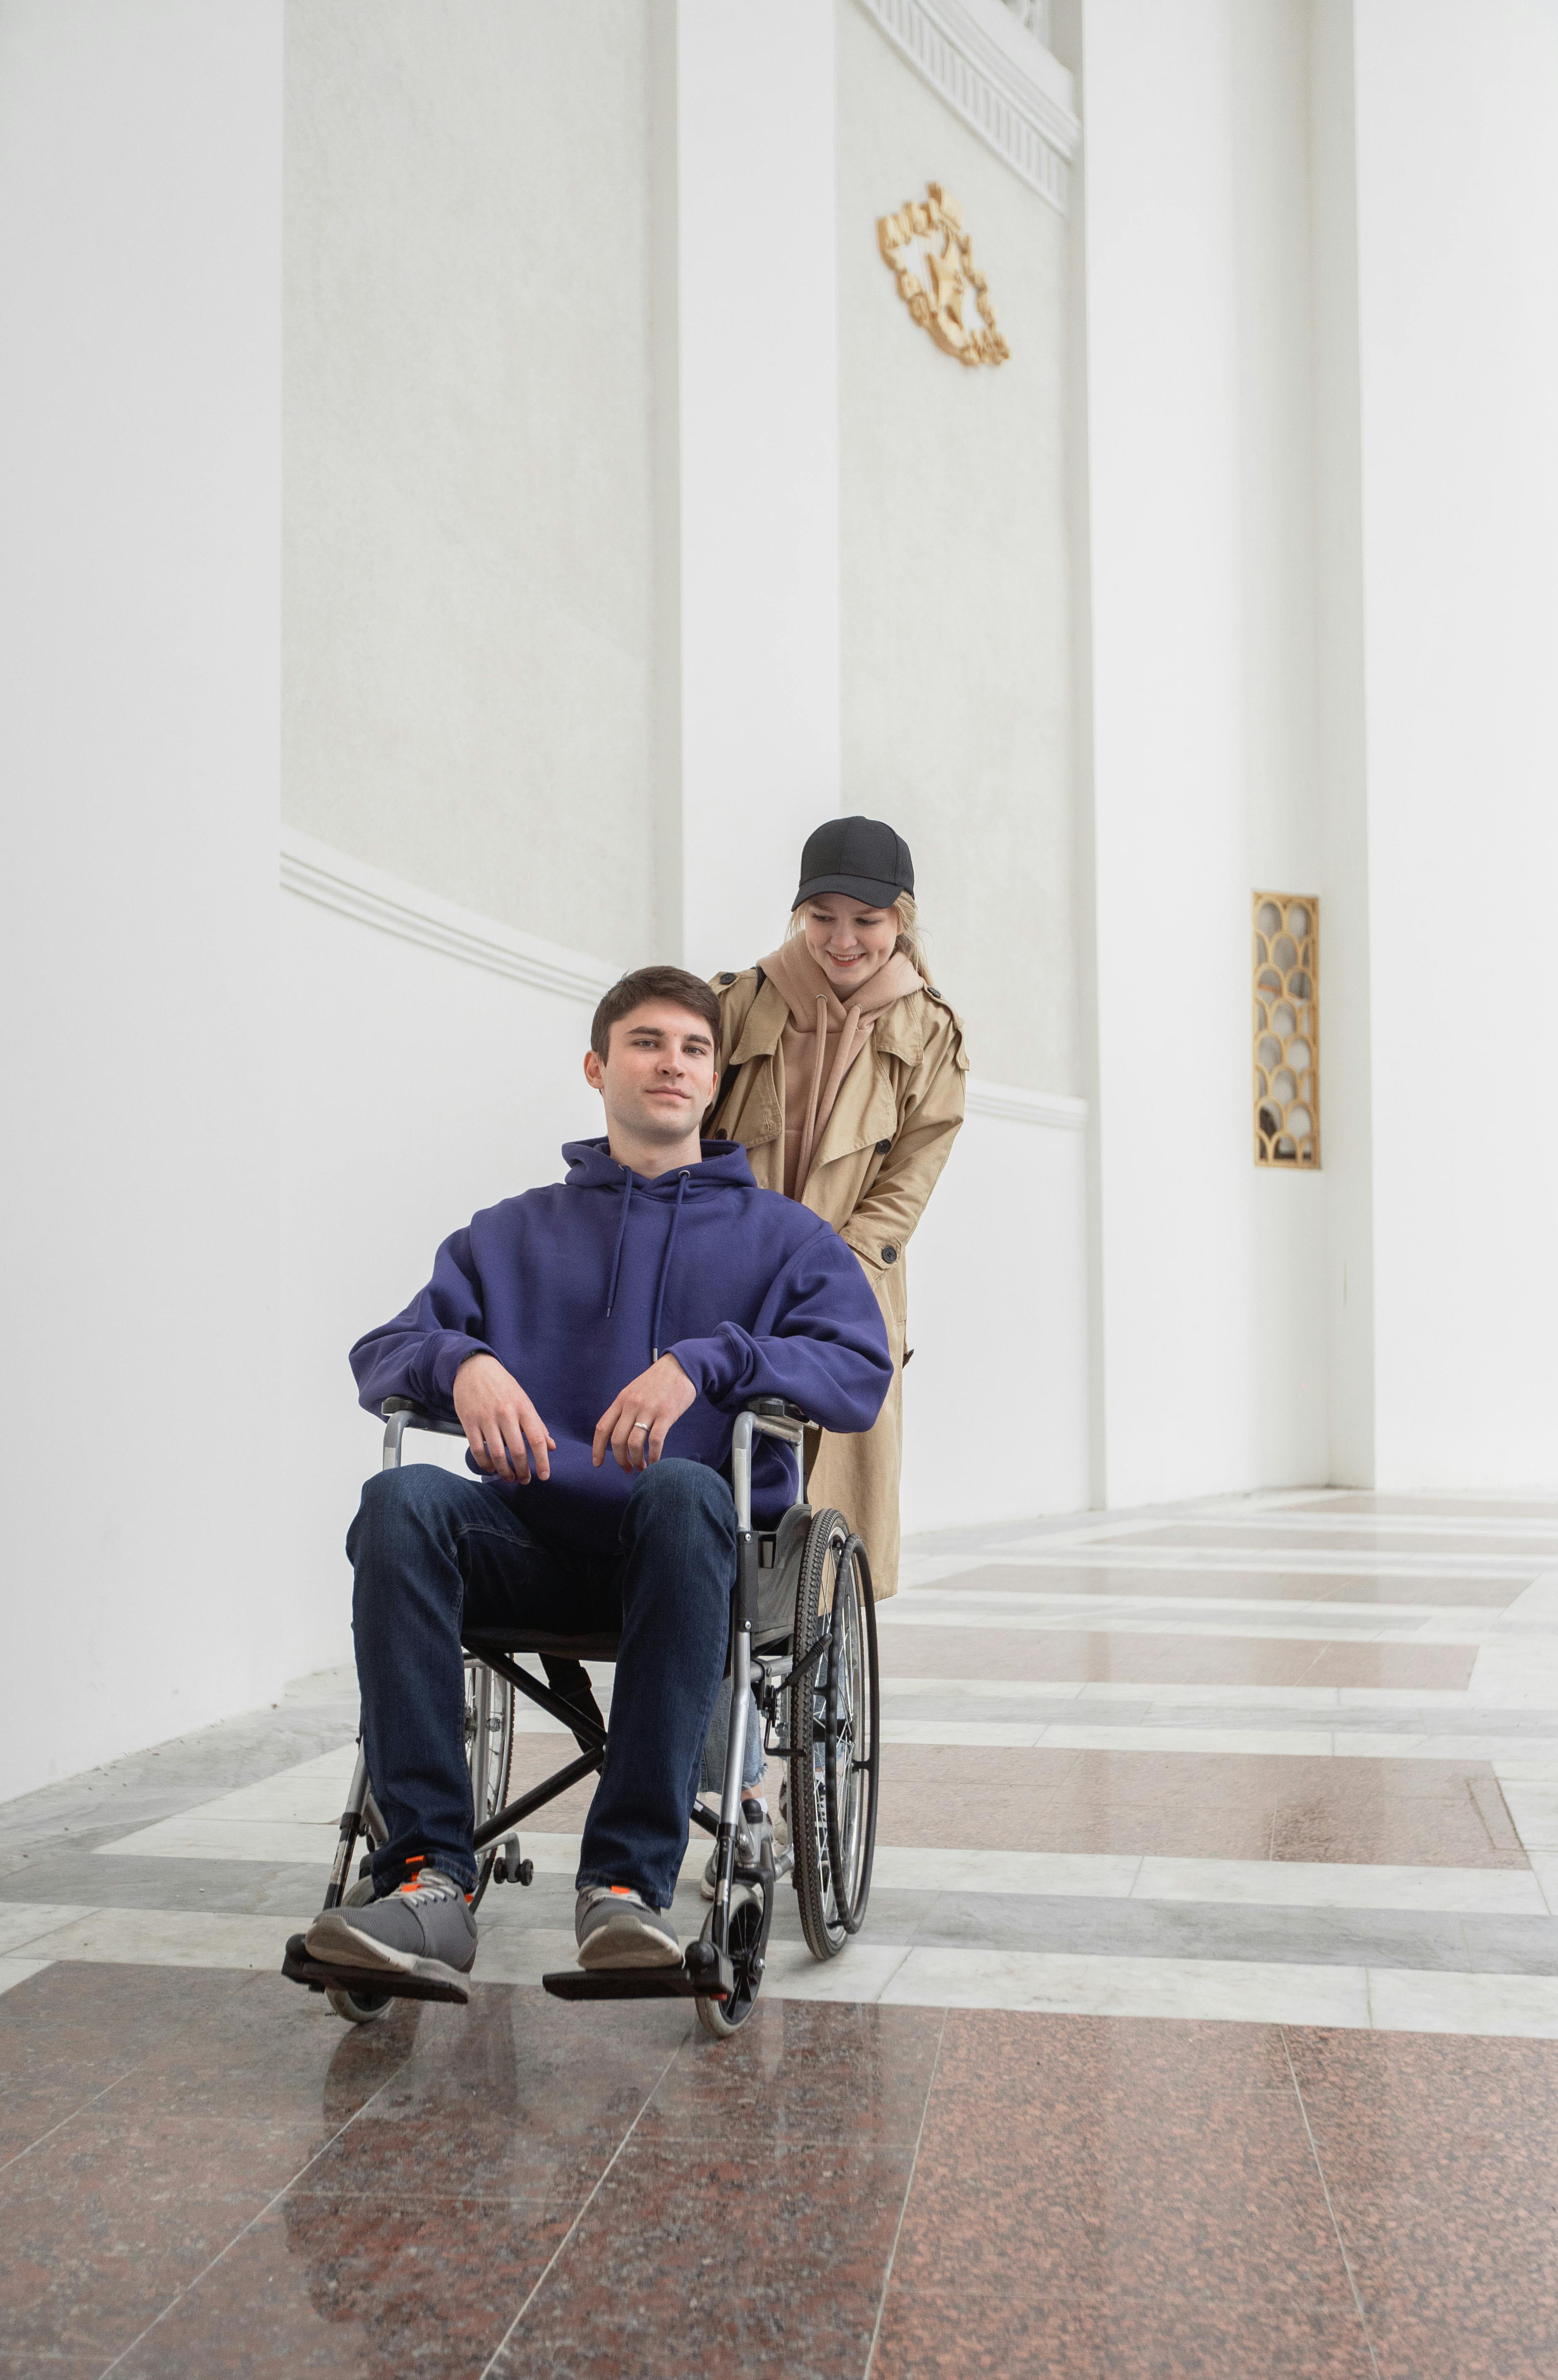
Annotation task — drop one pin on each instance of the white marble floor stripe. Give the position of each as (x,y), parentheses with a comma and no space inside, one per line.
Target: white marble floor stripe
(1359,1703)
(1538,1756)
(1383,1999)
(1538,1534)
(1316,1561)
(17,1971)
(1298,1620)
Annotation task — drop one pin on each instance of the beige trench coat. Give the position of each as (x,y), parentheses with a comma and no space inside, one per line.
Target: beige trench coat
(891,1128)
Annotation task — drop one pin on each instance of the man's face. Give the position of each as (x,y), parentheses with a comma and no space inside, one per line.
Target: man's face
(658,1075)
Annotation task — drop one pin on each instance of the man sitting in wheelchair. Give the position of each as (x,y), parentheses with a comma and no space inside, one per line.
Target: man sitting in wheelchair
(595,1338)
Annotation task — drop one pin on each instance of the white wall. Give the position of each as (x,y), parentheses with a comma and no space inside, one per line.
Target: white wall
(470,585)
(1457,203)
(416,1087)
(956,654)
(749,284)
(995,1402)
(139,466)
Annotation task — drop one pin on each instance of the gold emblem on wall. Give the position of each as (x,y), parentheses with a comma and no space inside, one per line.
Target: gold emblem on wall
(1287,959)
(932,257)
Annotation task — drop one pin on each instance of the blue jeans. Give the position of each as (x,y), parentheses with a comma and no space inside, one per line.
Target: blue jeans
(430,1550)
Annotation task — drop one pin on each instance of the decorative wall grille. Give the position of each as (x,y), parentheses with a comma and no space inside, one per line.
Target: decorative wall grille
(1286,1029)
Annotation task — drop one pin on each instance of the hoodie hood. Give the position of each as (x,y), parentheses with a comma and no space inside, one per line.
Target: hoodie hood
(591,1166)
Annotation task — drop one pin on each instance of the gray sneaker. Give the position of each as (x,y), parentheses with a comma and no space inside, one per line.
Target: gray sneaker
(424,1929)
(615,1927)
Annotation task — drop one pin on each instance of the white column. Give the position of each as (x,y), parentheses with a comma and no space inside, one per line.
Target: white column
(749,543)
(1458,204)
(140,662)
(1175,1334)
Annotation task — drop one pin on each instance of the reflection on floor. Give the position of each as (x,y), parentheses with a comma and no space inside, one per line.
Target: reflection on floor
(1205,2022)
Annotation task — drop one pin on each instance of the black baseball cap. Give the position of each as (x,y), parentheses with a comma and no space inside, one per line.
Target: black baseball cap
(859,855)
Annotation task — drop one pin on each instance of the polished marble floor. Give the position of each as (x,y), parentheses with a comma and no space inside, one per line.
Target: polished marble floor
(1205,2021)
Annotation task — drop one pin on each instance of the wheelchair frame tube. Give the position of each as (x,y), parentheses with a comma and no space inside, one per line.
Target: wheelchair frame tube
(743,1619)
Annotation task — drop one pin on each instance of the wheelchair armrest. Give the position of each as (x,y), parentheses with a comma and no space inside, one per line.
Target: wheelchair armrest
(777,1409)
(418,1418)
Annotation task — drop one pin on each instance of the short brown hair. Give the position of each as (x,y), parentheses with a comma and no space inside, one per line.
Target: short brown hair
(635,990)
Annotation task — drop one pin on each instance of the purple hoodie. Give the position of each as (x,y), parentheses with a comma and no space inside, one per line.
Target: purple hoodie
(577,1287)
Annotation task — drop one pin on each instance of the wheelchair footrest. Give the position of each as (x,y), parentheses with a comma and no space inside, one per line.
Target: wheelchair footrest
(364,1982)
(704,1974)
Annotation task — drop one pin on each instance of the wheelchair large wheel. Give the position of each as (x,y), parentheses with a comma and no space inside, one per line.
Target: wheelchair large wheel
(834,1749)
(489,1750)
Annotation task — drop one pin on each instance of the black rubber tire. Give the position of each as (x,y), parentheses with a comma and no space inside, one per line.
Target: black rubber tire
(853,1750)
(819,1921)
(357,2008)
(720,2019)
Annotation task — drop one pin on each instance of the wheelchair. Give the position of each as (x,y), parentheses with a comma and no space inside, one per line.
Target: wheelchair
(803,1645)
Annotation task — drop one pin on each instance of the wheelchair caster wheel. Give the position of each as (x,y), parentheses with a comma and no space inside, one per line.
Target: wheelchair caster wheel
(357,2008)
(720,2019)
(511,1868)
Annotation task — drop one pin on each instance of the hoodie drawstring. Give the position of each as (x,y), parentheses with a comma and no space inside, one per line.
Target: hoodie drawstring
(665,1266)
(664,1261)
(621,1235)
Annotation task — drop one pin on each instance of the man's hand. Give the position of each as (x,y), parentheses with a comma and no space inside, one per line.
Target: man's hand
(657,1397)
(506,1432)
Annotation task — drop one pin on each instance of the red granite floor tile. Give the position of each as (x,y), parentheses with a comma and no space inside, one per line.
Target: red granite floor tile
(1441,2154)
(1190,1805)
(516,2096)
(1292,1585)
(361,2289)
(715,2260)
(1072,1653)
(110,2217)
(1101,2200)
(802,2070)
(76,2030)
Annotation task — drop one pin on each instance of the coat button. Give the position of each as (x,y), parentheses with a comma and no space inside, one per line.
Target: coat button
(934,994)
(889,1254)
(728,978)
(882,1147)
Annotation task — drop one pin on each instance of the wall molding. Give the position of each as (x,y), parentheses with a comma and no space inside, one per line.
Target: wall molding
(1052,1110)
(998,77)
(339,881)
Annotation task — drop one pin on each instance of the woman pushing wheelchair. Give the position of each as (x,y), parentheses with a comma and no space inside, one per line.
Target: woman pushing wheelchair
(842,1076)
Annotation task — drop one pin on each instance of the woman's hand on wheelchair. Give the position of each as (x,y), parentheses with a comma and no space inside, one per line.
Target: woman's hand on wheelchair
(658,1397)
(506,1434)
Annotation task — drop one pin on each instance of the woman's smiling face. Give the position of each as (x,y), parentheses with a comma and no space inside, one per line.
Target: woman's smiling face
(849,940)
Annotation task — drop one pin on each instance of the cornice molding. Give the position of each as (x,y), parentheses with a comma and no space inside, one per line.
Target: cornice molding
(336,880)
(1052,1110)
(997,76)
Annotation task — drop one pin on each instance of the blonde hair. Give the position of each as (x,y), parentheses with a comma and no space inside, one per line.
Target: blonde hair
(909,931)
